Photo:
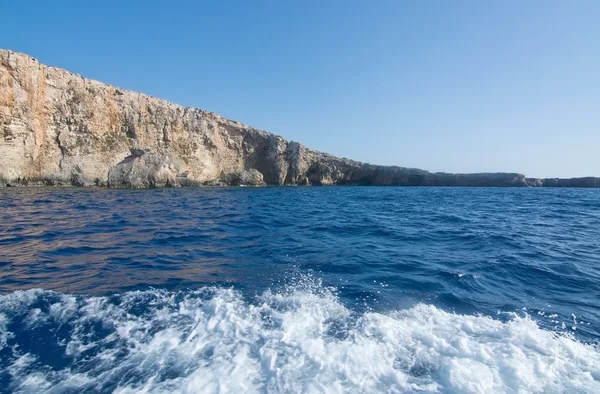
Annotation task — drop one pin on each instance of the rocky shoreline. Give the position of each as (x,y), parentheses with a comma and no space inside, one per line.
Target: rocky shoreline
(60,129)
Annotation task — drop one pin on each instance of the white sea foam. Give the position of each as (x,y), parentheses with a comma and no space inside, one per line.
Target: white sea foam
(214,341)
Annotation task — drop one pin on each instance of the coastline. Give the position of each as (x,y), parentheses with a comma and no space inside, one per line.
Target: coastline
(58,128)
(556,183)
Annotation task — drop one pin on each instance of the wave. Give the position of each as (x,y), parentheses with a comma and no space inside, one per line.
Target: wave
(302,339)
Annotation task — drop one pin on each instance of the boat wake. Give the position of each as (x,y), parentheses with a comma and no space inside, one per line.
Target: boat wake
(299,340)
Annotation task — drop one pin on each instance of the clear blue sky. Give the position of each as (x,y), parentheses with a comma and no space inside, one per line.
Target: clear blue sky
(460,86)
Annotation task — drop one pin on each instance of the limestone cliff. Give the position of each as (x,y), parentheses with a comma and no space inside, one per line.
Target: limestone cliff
(58,128)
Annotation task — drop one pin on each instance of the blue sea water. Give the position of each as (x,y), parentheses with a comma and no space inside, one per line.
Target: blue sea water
(342,289)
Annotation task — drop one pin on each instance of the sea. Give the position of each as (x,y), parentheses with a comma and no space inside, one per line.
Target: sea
(300,290)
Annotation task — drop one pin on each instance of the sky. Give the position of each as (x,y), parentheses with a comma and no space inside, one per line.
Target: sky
(455,86)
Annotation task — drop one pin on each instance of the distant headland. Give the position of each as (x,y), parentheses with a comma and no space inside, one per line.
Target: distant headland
(58,128)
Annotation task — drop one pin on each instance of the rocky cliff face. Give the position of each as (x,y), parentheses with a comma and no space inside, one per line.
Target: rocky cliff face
(58,128)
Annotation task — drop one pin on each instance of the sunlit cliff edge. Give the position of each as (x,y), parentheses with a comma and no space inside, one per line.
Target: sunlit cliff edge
(58,128)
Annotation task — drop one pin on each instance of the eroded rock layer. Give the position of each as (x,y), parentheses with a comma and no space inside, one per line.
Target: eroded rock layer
(58,128)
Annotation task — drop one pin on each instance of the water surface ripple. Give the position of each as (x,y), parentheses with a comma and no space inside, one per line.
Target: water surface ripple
(492,254)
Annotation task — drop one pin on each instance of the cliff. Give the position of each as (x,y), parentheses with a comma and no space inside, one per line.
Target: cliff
(58,128)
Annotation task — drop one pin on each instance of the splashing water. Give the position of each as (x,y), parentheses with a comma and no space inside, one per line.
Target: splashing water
(298,340)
